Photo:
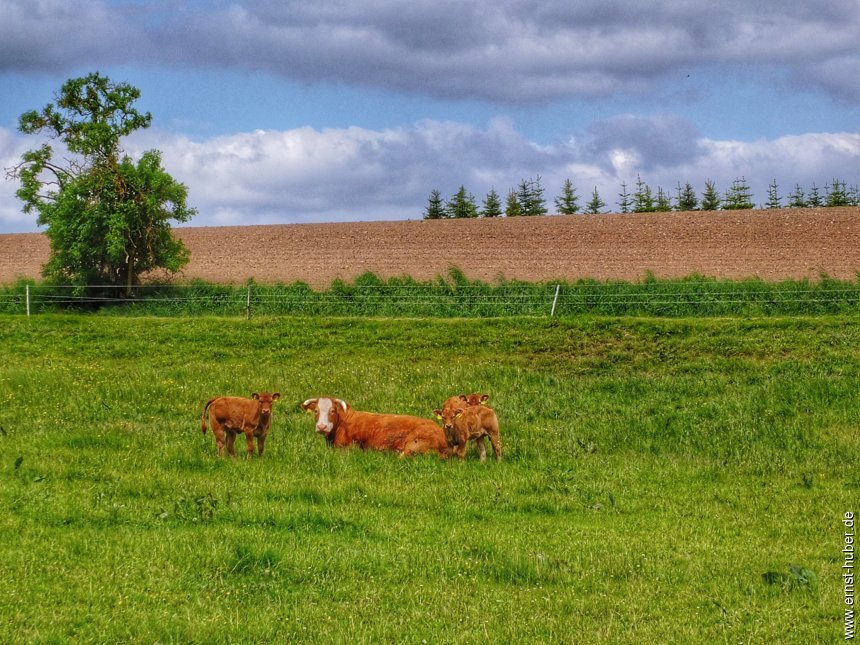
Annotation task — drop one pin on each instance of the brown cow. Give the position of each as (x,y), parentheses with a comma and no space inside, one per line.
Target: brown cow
(461,402)
(343,426)
(471,423)
(230,415)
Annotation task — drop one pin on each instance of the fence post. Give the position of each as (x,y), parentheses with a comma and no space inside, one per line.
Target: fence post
(555,300)
(28,301)
(248,304)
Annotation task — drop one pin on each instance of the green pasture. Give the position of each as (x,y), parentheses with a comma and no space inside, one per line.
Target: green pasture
(677,480)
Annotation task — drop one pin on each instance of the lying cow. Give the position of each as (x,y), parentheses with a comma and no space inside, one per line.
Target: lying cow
(342,426)
(471,423)
(230,415)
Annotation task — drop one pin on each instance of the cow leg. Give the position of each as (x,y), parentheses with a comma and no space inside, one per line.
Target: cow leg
(497,445)
(231,441)
(249,442)
(261,443)
(218,431)
(482,449)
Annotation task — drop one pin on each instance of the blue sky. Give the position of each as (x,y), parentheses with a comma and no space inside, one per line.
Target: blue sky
(283,112)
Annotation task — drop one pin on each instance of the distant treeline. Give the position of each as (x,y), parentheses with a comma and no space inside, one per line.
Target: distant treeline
(453,296)
(528,199)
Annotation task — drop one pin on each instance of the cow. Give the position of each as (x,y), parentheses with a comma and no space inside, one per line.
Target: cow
(471,422)
(343,426)
(230,415)
(461,402)
(464,400)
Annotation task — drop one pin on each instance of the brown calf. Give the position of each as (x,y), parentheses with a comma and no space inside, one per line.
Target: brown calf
(405,435)
(230,415)
(461,402)
(471,423)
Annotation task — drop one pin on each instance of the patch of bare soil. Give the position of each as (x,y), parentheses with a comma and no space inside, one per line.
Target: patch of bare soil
(771,245)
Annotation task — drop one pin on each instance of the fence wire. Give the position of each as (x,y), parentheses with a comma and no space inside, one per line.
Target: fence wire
(443,299)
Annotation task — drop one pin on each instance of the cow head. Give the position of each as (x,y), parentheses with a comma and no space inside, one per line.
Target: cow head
(327,412)
(266,399)
(447,416)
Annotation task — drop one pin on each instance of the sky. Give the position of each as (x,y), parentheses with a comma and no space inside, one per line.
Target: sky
(355,110)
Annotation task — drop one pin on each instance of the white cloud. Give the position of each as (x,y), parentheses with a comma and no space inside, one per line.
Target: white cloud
(307,175)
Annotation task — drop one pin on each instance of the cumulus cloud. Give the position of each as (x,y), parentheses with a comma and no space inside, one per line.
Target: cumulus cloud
(306,175)
(310,175)
(504,51)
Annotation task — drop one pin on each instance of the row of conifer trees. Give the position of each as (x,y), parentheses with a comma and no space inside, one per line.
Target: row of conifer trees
(528,199)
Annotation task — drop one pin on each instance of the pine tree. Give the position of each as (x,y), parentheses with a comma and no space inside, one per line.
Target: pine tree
(643,199)
(530,196)
(687,200)
(596,205)
(738,197)
(566,203)
(462,205)
(710,198)
(492,205)
(814,200)
(838,194)
(854,195)
(512,205)
(624,201)
(773,200)
(662,203)
(797,199)
(435,208)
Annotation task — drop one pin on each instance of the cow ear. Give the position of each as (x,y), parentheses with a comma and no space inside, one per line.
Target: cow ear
(309,405)
(276,396)
(463,397)
(484,399)
(438,414)
(255,396)
(457,416)
(343,404)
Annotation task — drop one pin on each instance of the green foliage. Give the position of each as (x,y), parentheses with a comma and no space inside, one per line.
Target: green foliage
(686,198)
(512,205)
(435,208)
(462,205)
(710,197)
(625,204)
(595,204)
(797,199)
(107,217)
(529,194)
(738,197)
(566,203)
(663,480)
(662,203)
(455,295)
(773,199)
(643,198)
(838,194)
(492,205)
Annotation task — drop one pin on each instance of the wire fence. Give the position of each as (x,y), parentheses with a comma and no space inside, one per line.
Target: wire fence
(441,298)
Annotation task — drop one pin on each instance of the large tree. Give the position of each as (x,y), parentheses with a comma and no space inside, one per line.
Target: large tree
(107,217)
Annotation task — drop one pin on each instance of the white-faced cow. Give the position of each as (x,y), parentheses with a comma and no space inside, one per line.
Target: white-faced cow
(343,426)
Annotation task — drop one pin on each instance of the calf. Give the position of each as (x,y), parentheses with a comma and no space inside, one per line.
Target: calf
(461,402)
(230,415)
(405,435)
(471,423)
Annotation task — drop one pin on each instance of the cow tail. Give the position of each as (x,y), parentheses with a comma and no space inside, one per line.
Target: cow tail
(203,416)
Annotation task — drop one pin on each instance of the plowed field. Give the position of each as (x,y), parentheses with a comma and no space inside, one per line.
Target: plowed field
(771,245)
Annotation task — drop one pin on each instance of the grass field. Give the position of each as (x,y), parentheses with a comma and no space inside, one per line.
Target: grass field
(664,480)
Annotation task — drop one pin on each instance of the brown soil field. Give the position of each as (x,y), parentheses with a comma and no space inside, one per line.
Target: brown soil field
(771,245)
